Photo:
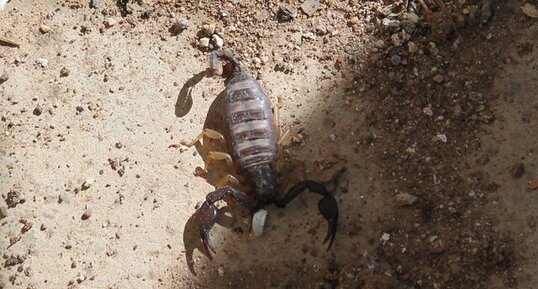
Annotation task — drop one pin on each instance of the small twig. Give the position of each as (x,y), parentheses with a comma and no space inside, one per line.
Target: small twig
(7,42)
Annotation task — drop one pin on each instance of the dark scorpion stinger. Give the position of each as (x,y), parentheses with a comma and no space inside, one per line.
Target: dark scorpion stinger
(251,138)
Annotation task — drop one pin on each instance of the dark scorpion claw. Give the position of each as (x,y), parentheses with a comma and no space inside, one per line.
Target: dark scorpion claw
(327,206)
(329,209)
(207,216)
(207,213)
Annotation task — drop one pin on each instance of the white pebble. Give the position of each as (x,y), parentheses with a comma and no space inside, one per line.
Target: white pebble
(87,184)
(442,137)
(203,42)
(428,111)
(332,137)
(42,62)
(217,41)
(309,35)
(182,23)
(258,222)
(385,238)
(412,17)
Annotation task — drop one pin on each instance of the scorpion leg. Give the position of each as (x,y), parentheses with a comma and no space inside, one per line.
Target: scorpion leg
(219,156)
(327,206)
(207,213)
(283,138)
(207,132)
(226,180)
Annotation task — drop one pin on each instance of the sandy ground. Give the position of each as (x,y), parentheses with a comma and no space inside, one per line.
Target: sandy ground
(94,197)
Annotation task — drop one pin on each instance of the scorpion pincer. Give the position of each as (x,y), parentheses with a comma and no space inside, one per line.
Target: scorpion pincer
(251,138)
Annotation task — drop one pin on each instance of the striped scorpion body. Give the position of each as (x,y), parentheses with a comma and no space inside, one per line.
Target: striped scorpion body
(252,138)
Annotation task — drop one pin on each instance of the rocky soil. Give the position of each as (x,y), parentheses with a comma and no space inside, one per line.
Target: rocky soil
(431,106)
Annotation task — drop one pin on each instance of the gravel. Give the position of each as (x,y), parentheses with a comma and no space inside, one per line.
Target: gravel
(309,7)
(87,214)
(517,170)
(4,77)
(37,110)
(42,62)
(3,212)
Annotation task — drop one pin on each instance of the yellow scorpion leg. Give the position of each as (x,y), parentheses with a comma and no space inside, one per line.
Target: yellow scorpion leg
(219,156)
(206,132)
(228,180)
(282,139)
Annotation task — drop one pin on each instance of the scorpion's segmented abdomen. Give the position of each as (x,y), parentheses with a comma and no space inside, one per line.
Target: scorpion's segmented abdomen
(249,118)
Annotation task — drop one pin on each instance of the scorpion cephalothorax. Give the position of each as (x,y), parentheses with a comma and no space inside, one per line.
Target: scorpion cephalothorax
(253,140)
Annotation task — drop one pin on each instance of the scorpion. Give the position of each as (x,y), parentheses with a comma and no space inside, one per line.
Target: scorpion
(252,140)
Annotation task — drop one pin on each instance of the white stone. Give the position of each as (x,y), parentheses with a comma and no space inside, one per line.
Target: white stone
(258,221)
(42,62)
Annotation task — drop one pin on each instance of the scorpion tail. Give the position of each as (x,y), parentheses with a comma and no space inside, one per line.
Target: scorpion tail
(217,54)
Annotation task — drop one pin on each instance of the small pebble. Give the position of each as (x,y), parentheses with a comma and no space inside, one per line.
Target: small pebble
(63,198)
(37,110)
(43,227)
(406,199)
(87,184)
(310,7)
(217,41)
(181,24)
(412,47)
(258,222)
(4,77)
(221,271)
(531,222)
(44,29)
(309,36)
(42,62)
(427,111)
(208,29)
(396,60)
(354,20)
(321,30)
(395,38)
(379,43)
(332,137)
(12,261)
(385,238)
(26,227)
(412,17)
(203,43)
(64,72)
(442,137)
(3,212)
(389,22)
(110,22)
(94,3)
(438,78)
(87,214)
(517,170)
(286,13)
